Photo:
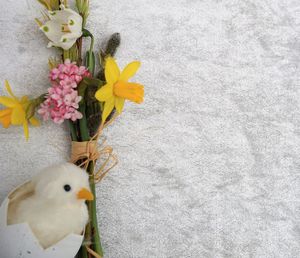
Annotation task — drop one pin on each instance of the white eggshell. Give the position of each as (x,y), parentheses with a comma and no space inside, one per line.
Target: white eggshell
(18,241)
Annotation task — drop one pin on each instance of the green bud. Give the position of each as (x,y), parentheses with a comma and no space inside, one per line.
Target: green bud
(50,4)
(110,50)
(112,44)
(83,7)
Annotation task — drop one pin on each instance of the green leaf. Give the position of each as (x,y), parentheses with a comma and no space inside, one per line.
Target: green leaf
(71,54)
(86,33)
(83,8)
(90,61)
(88,82)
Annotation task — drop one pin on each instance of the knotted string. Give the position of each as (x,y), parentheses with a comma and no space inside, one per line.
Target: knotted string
(88,151)
(84,150)
(92,252)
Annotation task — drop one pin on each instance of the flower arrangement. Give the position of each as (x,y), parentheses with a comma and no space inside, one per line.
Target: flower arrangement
(81,94)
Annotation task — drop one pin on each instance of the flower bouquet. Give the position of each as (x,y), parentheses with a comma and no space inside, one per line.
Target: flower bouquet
(86,96)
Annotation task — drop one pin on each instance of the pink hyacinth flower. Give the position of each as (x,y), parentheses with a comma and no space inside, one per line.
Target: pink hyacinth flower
(62,100)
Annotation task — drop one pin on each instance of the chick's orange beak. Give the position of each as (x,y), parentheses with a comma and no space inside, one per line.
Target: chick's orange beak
(85,194)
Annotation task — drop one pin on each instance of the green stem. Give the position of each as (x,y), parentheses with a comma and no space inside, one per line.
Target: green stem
(94,221)
(72,131)
(31,109)
(84,132)
(85,254)
(90,58)
(92,43)
(92,231)
(82,253)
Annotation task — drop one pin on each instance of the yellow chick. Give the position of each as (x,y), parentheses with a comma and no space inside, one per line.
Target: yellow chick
(52,203)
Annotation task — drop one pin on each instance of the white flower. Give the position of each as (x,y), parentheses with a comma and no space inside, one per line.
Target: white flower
(63,28)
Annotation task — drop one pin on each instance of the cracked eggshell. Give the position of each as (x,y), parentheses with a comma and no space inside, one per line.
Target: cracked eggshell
(18,241)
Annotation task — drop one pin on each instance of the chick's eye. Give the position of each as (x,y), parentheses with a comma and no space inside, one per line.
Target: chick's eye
(67,188)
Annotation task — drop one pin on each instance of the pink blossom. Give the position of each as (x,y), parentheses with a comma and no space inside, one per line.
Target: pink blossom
(69,70)
(62,100)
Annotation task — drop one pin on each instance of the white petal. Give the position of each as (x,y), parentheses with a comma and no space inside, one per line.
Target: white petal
(63,15)
(75,24)
(60,16)
(67,44)
(52,30)
(70,36)
(50,44)
(71,12)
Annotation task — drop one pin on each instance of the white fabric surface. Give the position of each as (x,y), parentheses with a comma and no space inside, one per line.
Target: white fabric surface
(209,164)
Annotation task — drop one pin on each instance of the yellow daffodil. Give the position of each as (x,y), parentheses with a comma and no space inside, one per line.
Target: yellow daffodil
(117,87)
(15,113)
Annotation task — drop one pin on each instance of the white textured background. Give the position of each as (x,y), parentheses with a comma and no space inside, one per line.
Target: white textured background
(209,164)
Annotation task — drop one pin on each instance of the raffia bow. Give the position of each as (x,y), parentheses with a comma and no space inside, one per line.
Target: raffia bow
(89,151)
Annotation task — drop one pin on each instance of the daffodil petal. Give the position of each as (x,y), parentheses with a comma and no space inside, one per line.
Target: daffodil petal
(5,121)
(8,102)
(34,121)
(119,104)
(18,116)
(26,131)
(130,70)
(8,88)
(24,98)
(112,71)
(108,107)
(5,112)
(104,93)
